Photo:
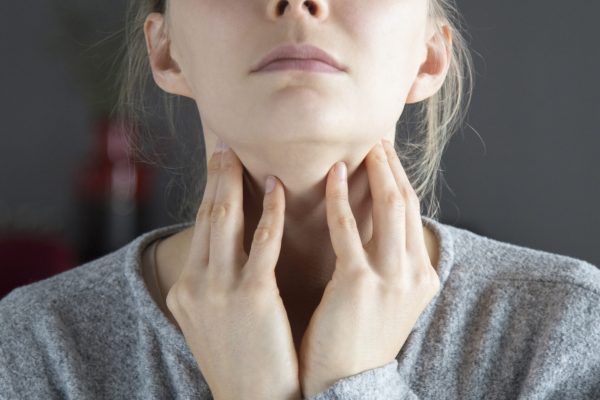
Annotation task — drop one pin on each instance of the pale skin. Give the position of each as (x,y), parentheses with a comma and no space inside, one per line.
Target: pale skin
(310,121)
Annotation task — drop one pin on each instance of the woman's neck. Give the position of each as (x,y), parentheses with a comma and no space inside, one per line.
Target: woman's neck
(306,260)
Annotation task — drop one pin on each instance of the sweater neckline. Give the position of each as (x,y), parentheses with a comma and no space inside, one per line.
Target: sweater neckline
(169,333)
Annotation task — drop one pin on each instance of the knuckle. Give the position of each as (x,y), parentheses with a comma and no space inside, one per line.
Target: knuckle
(405,285)
(345,221)
(381,157)
(360,278)
(182,295)
(262,234)
(170,299)
(204,211)
(427,279)
(219,211)
(422,279)
(394,199)
(216,296)
(434,279)
(270,206)
(405,192)
(257,286)
(214,165)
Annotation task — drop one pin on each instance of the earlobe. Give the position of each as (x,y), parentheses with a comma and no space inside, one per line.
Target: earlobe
(165,70)
(432,72)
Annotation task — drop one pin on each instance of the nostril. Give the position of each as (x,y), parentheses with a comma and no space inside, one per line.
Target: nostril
(312,8)
(281,7)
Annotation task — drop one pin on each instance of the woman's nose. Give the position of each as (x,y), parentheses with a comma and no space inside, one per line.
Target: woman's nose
(298,8)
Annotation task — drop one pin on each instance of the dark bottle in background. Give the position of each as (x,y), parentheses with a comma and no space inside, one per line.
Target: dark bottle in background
(112,193)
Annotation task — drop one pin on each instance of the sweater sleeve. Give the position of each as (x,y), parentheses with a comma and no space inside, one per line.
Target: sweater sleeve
(559,359)
(6,388)
(24,373)
(382,383)
(565,362)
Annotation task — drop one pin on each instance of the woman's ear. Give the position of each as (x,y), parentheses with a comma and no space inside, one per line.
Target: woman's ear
(165,70)
(434,68)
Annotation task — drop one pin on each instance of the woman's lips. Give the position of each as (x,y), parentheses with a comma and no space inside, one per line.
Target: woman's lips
(310,65)
(293,51)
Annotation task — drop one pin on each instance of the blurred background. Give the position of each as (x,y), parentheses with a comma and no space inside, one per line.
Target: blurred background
(523,169)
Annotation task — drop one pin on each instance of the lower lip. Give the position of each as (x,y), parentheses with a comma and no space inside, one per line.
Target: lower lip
(311,65)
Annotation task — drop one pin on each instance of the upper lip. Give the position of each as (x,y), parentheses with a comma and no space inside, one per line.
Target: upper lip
(303,51)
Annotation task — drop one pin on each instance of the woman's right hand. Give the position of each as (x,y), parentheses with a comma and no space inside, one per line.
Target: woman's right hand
(226,303)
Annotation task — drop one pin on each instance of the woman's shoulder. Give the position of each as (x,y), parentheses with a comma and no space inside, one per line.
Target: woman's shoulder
(56,322)
(102,281)
(527,318)
(78,327)
(477,256)
(75,287)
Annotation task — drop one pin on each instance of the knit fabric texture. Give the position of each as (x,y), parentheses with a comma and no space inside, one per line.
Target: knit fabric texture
(509,322)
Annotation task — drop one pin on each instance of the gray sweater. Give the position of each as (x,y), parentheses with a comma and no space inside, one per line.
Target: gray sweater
(509,322)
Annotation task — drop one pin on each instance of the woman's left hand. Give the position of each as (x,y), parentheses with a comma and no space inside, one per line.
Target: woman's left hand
(377,291)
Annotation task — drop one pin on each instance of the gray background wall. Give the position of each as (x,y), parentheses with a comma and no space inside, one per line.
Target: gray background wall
(524,170)
(534,180)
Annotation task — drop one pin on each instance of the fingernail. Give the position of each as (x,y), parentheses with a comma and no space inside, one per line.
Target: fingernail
(341,171)
(269,184)
(384,141)
(220,146)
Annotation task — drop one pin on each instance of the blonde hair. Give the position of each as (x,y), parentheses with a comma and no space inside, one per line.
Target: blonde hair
(435,119)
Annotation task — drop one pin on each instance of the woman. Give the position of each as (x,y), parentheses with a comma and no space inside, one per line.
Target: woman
(323,281)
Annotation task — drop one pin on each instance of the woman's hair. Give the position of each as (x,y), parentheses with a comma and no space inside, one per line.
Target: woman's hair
(423,130)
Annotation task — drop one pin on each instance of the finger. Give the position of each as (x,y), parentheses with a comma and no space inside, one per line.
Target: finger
(266,243)
(200,242)
(227,218)
(389,207)
(343,231)
(415,238)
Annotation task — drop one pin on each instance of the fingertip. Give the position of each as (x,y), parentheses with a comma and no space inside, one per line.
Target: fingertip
(272,188)
(270,184)
(341,171)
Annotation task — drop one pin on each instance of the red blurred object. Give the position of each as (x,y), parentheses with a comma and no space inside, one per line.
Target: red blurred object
(112,191)
(27,258)
(111,166)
